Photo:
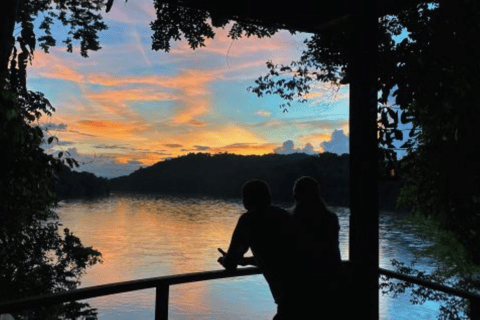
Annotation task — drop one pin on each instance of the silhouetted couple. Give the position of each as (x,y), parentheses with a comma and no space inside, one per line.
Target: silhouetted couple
(297,252)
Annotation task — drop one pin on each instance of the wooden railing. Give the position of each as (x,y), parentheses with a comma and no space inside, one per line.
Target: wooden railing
(162,285)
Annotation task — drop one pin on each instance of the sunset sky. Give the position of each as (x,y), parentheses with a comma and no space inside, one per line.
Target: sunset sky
(128,106)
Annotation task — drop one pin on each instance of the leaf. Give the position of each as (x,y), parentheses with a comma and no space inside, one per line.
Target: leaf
(384,119)
(398,134)
(393,114)
(406,117)
(109,6)
(412,133)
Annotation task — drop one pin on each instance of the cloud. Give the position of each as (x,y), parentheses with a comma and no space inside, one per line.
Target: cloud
(110,129)
(302,123)
(129,94)
(54,126)
(201,148)
(118,101)
(65,143)
(172,145)
(103,165)
(115,146)
(190,91)
(195,123)
(339,143)
(323,124)
(326,94)
(53,67)
(263,113)
(132,12)
(83,133)
(346,127)
(288,147)
(244,148)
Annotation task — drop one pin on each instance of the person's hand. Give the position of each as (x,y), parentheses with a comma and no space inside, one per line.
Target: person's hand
(221,260)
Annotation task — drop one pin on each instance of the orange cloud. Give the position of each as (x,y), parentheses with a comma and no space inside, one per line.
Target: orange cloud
(108,129)
(322,93)
(247,148)
(192,92)
(263,113)
(229,138)
(188,116)
(346,127)
(139,94)
(314,139)
(50,66)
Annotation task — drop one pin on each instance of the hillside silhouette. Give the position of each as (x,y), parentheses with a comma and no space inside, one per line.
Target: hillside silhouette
(73,184)
(222,175)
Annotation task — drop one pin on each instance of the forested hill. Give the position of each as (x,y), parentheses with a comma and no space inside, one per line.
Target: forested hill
(73,184)
(223,175)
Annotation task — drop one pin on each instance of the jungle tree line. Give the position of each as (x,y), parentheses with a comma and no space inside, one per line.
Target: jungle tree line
(222,175)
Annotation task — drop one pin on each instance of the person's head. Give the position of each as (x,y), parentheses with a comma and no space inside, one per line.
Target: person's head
(306,189)
(256,194)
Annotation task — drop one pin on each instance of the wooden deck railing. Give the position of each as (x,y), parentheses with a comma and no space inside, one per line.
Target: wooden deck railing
(162,285)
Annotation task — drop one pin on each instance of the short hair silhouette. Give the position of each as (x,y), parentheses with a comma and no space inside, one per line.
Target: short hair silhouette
(256,194)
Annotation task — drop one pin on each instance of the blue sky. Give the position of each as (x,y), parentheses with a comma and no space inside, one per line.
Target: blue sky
(128,106)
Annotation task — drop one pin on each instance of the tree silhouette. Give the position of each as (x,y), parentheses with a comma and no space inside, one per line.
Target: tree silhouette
(35,258)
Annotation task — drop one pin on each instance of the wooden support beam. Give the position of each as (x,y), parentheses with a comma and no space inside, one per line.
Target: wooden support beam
(363,247)
(474,309)
(161,302)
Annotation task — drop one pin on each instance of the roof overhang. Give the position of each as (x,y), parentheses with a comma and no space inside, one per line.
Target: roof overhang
(304,16)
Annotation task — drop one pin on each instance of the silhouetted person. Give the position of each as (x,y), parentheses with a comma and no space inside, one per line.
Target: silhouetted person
(267,231)
(318,252)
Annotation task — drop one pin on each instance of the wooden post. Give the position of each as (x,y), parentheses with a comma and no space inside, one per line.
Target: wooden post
(363,247)
(474,309)
(161,302)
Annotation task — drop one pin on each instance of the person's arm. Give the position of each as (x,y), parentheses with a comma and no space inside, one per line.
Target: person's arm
(244,261)
(248,261)
(238,247)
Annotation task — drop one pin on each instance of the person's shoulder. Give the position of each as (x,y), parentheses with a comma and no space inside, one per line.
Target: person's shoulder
(332,214)
(246,216)
(333,217)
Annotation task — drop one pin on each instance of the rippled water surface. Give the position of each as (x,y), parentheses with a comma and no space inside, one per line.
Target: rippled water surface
(143,236)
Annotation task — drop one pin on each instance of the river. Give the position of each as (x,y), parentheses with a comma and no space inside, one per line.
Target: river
(143,236)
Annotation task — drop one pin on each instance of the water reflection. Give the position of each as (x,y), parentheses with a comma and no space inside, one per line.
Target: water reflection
(144,236)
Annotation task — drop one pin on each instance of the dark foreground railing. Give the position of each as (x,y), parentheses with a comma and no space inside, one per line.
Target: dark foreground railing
(162,285)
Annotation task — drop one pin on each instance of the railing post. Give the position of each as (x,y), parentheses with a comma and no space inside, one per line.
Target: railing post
(474,309)
(161,302)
